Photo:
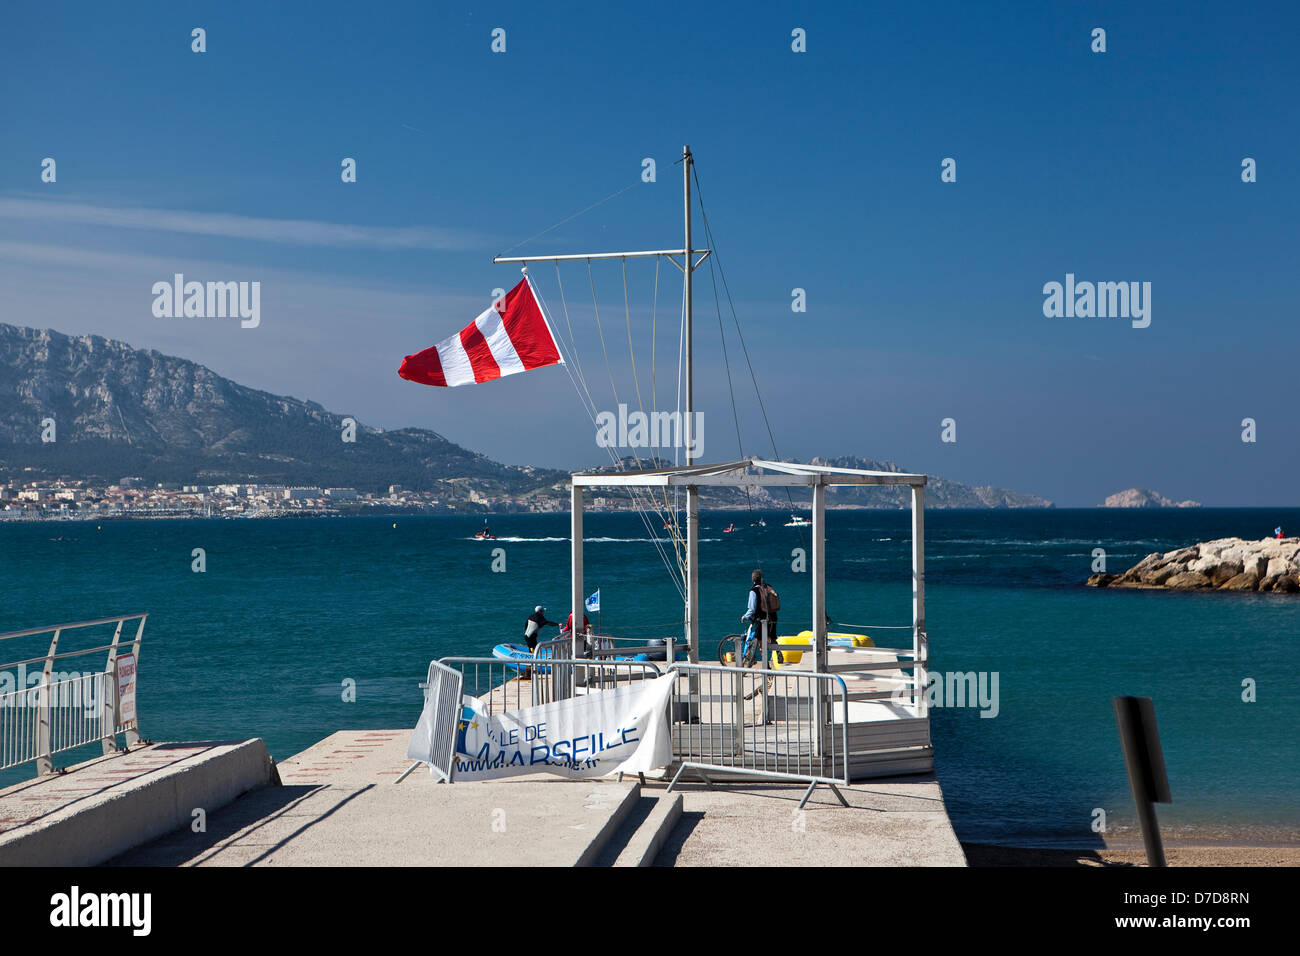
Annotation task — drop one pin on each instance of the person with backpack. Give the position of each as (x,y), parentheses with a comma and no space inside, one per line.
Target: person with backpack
(764,603)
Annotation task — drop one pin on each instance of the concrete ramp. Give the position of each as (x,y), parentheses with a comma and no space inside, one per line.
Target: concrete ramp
(99,808)
(340,806)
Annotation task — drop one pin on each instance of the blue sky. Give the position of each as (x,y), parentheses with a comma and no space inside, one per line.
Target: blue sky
(819,170)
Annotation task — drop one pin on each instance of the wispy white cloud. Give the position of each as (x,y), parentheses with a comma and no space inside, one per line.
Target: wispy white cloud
(47,270)
(225,225)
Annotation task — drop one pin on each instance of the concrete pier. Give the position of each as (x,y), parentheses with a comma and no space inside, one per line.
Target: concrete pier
(338,804)
(102,807)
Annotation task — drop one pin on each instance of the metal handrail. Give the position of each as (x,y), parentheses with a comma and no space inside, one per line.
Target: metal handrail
(47,731)
(55,657)
(560,676)
(669,644)
(67,627)
(547,662)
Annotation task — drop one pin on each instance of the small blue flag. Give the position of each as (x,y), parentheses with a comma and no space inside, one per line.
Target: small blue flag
(593,602)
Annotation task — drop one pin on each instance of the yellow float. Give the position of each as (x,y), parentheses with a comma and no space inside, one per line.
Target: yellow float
(833,639)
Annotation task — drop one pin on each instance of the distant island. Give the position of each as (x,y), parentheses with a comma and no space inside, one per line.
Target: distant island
(140,433)
(1145,498)
(1228,564)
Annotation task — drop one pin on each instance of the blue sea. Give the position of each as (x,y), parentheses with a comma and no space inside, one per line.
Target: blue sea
(262,642)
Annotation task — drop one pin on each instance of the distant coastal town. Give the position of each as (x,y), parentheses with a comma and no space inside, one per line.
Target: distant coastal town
(135,498)
(92,498)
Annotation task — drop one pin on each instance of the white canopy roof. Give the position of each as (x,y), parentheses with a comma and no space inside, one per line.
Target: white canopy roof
(736,474)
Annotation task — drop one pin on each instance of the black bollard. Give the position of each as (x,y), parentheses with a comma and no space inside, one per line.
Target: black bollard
(1136,717)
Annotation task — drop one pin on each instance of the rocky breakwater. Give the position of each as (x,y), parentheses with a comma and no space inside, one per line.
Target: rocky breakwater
(1228,564)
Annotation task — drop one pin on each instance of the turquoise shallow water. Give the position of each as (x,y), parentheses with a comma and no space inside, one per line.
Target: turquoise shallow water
(260,644)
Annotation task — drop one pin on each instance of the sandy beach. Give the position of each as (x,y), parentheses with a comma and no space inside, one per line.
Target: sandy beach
(984,854)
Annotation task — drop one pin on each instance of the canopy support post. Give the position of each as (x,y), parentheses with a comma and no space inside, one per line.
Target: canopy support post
(919,639)
(576,598)
(819,611)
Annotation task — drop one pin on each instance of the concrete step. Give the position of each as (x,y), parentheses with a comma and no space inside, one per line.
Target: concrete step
(649,838)
(642,831)
(613,824)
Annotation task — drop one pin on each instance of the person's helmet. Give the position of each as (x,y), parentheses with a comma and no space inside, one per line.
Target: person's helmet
(539,609)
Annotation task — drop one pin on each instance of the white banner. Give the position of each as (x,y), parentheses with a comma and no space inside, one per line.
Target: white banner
(624,730)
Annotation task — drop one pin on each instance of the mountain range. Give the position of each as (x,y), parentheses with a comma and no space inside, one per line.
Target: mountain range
(119,411)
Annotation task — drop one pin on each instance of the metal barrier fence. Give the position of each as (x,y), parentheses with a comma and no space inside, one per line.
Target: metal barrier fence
(501,686)
(665,650)
(782,724)
(434,739)
(750,722)
(64,709)
(558,683)
(559,679)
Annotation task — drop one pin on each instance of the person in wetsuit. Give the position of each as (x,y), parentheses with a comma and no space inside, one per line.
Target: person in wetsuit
(536,621)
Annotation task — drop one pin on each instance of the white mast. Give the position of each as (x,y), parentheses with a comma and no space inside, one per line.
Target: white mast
(690,370)
(692,623)
(688,267)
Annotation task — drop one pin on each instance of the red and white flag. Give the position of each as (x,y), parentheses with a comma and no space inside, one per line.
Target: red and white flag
(511,336)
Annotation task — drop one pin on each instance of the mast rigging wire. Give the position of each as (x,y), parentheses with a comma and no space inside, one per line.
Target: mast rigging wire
(708,232)
(598,202)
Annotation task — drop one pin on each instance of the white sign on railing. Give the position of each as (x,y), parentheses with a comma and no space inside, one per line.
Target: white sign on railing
(624,730)
(126,689)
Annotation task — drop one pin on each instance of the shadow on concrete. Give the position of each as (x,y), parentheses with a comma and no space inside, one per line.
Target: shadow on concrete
(672,847)
(626,830)
(233,825)
(788,792)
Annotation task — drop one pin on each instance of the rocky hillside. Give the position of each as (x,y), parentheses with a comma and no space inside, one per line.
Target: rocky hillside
(123,411)
(1145,498)
(1228,564)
